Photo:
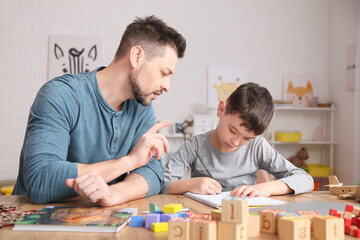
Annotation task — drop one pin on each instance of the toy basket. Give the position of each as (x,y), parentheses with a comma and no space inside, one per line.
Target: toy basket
(284,136)
(319,170)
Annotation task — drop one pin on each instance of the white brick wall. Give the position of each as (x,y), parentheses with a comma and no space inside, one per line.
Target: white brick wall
(270,37)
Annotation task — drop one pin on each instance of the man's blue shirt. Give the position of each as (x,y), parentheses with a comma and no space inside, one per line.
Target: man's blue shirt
(70,122)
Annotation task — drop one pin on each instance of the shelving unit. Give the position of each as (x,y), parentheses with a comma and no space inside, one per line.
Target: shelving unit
(291,117)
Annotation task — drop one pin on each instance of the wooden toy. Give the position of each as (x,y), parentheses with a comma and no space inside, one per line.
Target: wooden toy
(253,226)
(285,214)
(202,229)
(179,229)
(336,213)
(357,194)
(159,227)
(335,187)
(268,220)
(231,231)
(153,208)
(294,228)
(165,217)
(216,214)
(310,215)
(137,221)
(172,208)
(354,231)
(356,211)
(328,227)
(234,209)
(151,218)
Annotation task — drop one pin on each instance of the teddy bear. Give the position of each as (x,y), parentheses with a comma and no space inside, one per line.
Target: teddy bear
(299,159)
(188,130)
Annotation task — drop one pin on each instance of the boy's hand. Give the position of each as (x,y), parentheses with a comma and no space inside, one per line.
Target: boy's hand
(250,191)
(204,185)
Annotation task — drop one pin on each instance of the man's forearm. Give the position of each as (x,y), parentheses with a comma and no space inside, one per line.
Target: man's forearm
(134,186)
(108,170)
(276,187)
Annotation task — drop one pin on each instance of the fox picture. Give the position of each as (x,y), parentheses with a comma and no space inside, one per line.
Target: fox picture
(300,96)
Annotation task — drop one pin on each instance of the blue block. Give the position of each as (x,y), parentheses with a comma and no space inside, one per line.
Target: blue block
(184,215)
(179,214)
(167,216)
(137,221)
(159,212)
(151,218)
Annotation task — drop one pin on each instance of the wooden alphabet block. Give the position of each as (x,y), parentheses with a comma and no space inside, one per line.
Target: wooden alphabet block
(268,220)
(231,231)
(159,227)
(202,229)
(172,208)
(216,214)
(328,227)
(285,214)
(294,228)
(234,209)
(179,229)
(310,215)
(253,226)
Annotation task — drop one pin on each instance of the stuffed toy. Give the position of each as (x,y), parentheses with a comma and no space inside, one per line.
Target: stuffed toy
(299,159)
(189,128)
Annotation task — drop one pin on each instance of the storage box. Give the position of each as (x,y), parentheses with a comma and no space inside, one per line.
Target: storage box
(319,170)
(284,136)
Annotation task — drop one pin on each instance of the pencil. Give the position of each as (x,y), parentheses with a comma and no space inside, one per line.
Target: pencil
(204,164)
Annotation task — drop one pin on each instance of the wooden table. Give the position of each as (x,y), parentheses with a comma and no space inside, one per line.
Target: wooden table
(129,233)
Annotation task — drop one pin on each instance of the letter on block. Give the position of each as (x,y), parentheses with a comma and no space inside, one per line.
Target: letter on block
(284,214)
(231,231)
(179,229)
(234,209)
(159,227)
(328,227)
(201,229)
(294,228)
(253,226)
(172,208)
(268,220)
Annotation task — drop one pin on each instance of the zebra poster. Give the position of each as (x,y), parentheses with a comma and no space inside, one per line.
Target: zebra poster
(73,54)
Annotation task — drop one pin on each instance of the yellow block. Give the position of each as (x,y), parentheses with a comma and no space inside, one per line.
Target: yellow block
(172,208)
(7,190)
(284,136)
(160,227)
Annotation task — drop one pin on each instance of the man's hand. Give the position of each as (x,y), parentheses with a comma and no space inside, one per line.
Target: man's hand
(149,144)
(250,191)
(92,186)
(204,185)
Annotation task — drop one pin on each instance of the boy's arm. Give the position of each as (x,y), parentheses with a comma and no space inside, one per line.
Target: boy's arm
(274,163)
(265,189)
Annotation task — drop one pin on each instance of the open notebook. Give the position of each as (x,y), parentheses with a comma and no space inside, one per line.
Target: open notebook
(215,200)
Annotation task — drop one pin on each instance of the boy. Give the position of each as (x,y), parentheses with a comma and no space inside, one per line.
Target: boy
(234,151)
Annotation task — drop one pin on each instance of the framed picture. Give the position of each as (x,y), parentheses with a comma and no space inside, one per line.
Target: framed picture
(222,81)
(178,128)
(300,89)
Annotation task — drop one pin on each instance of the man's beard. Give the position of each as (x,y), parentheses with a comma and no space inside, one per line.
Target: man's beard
(140,96)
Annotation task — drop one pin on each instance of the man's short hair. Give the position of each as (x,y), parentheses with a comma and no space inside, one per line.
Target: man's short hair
(153,35)
(254,104)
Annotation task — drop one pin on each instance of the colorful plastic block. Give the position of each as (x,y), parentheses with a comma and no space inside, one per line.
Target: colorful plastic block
(137,221)
(160,227)
(151,218)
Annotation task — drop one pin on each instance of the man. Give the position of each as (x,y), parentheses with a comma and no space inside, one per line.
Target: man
(94,134)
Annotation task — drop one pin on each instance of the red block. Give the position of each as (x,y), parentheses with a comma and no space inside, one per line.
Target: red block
(332,212)
(347,222)
(347,229)
(349,208)
(356,233)
(356,221)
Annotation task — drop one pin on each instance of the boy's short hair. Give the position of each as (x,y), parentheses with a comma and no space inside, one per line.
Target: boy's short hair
(153,35)
(254,104)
